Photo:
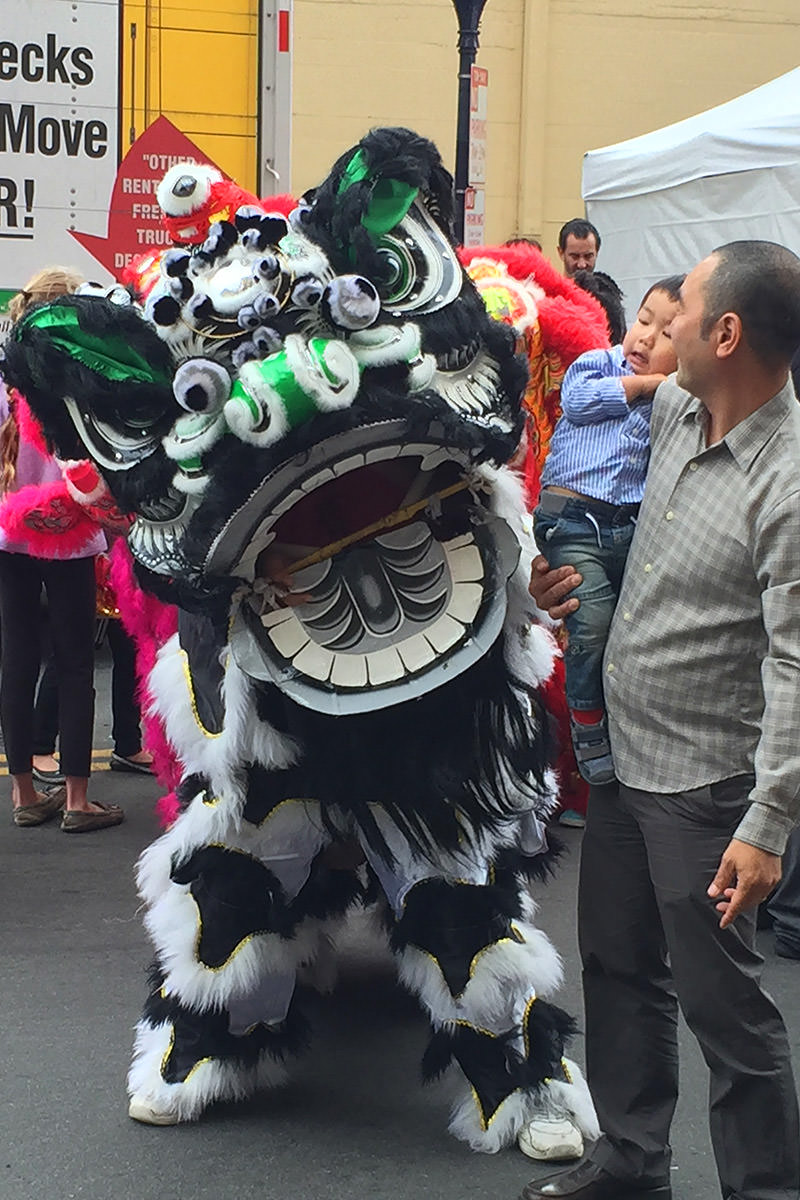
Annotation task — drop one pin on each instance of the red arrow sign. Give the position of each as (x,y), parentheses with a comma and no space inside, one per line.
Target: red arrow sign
(134,218)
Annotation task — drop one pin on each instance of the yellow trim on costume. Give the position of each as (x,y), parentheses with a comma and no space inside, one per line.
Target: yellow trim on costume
(280,804)
(199,936)
(566,1071)
(192,699)
(481,1115)
(471,1025)
(525,1016)
(215,800)
(239,945)
(169,1050)
(484,1122)
(517,939)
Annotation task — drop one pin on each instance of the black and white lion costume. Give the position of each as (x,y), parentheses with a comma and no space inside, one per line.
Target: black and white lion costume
(309,420)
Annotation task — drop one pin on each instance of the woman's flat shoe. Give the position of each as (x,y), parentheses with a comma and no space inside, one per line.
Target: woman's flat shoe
(45,808)
(75,821)
(120,763)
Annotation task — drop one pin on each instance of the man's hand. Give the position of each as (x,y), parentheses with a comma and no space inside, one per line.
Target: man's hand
(745,877)
(549,588)
(273,567)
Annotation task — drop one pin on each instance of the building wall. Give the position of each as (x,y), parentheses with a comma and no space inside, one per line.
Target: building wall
(619,68)
(565,76)
(359,63)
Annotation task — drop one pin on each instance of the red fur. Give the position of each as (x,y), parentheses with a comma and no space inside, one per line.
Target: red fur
(571,320)
(571,327)
(167,810)
(150,624)
(224,198)
(573,790)
(283,204)
(46,521)
(570,323)
(30,431)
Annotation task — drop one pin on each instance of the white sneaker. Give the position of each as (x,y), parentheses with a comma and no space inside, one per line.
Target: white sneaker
(553,1138)
(140,1110)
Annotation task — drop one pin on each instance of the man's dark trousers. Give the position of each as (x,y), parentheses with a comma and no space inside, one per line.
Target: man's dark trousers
(784,905)
(649,933)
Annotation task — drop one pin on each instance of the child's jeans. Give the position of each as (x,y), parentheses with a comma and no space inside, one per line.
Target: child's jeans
(594,538)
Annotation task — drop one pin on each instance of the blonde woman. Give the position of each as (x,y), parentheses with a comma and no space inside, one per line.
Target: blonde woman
(67,574)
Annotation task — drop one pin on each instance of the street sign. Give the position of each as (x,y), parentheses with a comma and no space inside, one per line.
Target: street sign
(59,136)
(478,104)
(474,216)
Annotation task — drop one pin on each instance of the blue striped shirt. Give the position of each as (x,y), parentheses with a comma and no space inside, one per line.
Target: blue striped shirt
(601,445)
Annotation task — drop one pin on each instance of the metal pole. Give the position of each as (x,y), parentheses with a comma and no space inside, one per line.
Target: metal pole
(469,18)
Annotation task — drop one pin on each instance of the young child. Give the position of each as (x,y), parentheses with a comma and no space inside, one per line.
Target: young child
(592,485)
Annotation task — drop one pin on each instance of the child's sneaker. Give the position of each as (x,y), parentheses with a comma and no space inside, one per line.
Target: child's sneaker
(593,751)
(572,819)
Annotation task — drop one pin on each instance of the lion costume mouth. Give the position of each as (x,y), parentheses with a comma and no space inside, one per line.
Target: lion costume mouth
(397,592)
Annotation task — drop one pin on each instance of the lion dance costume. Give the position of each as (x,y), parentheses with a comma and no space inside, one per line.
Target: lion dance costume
(309,420)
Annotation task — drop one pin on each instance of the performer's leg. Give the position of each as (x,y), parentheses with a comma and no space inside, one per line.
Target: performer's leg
(224,889)
(485,974)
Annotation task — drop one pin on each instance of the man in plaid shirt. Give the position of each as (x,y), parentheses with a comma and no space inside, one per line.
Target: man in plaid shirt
(702,687)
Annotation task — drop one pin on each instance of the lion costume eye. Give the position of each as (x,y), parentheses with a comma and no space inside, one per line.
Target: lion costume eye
(201,385)
(399,271)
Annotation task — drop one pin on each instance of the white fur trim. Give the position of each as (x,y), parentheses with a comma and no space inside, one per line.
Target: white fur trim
(503,1127)
(286,842)
(385,345)
(177,206)
(210,1080)
(190,485)
(553,1099)
(244,738)
(507,500)
(576,1099)
(503,977)
(173,924)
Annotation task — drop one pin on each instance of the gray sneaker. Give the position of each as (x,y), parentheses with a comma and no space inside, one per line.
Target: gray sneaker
(593,751)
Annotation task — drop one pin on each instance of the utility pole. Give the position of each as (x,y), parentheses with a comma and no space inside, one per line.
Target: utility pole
(469,18)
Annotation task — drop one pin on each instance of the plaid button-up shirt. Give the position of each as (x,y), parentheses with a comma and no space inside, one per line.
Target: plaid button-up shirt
(702,666)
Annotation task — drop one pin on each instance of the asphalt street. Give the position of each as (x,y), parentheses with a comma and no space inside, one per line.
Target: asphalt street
(354,1121)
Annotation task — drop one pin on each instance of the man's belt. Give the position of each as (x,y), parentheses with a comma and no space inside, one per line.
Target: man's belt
(554,503)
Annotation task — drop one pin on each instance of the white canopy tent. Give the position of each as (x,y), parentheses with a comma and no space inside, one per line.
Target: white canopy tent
(664,200)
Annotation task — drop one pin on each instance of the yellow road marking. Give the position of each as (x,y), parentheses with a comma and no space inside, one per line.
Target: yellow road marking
(101,761)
